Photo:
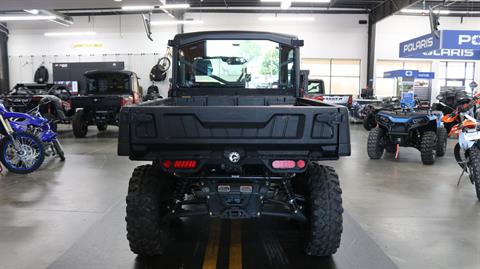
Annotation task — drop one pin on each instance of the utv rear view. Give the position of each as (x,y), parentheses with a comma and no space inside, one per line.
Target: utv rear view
(107,91)
(234,140)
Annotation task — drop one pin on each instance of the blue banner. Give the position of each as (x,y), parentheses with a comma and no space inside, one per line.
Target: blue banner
(409,74)
(449,54)
(452,45)
(460,39)
(419,45)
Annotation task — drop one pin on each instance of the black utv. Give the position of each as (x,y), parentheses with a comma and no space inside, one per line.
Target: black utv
(106,93)
(234,140)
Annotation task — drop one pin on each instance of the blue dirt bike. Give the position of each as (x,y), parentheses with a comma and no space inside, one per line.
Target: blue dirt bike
(27,139)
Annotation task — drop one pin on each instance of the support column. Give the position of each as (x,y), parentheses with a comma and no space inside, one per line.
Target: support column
(371,52)
(4,75)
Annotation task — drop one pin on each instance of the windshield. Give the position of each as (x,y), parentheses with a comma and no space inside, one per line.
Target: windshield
(109,84)
(249,64)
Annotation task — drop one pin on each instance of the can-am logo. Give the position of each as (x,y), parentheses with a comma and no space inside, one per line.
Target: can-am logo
(469,39)
(418,45)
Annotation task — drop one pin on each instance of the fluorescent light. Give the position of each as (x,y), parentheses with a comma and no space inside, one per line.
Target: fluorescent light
(175,6)
(424,11)
(286,4)
(32,11)
(71,34)
(297,1)
(282,18)
(176,22)
(133,8)
(26,18)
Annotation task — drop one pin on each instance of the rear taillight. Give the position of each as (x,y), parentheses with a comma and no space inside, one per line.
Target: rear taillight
(180,164)
(288,164)
(319,98)
(350,101)
(126,101)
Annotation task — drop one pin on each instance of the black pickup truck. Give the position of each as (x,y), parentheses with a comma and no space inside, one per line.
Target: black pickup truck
(235,139)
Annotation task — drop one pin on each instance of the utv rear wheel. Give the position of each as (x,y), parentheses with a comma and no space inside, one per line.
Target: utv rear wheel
(102,127)
(79,125)
(324,203)
(376,143)
(428,145)
(149,196)
(442,137)
(475,168)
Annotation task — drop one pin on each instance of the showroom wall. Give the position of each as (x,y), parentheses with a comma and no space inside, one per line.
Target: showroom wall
(122,38)
(396,29)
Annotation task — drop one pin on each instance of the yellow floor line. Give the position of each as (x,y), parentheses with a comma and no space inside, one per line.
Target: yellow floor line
(211,252)
(235,256)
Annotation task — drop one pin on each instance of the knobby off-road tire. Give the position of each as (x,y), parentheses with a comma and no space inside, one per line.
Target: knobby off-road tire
(475,168)
(324,211)
(149,195)
(79,125)
(428,145)
(376,144)
(442,138)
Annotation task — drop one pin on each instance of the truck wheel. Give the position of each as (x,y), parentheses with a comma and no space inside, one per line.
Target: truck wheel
(324,211)
(375,144)
(79,125)
(442,136)
(428,145)
(369,122)
(102,127)
(475,168)
(149,195)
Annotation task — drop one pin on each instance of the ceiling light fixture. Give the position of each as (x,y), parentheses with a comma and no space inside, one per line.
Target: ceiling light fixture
(176,22)
(32,11)
(26,18)
(297,1)
(424,11)
(71,34)
(137,8)
(286,4)
(305,19)
(175,6)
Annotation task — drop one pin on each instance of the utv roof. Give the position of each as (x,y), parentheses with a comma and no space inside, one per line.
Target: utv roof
(188,38)
(93,73)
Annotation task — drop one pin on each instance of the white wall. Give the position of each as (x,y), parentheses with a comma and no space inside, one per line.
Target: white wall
(329,36)
(396,29)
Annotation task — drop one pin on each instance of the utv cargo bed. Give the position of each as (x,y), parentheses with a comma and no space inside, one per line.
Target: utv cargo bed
(259,125)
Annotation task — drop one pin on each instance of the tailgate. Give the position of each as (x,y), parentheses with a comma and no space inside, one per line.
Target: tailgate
(149,131)
(96,102)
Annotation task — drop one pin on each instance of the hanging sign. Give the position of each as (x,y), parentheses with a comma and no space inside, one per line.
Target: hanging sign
(452,45)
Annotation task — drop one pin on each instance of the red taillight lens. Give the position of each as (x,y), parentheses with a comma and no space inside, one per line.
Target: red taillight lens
(167,164)
(301,164)
(184,164)
(350,101)
(319,98)
(283,164)
(288,164)
(126,101)
(180,164)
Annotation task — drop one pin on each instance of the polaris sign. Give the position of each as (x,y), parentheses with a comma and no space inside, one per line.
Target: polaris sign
(419,45)
(454,45)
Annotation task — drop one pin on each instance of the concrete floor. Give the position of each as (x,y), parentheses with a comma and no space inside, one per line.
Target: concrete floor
(415,213)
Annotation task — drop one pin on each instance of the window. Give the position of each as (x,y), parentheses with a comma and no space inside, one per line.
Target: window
(340,76)
(248,64)
(456,74)
(386,86)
